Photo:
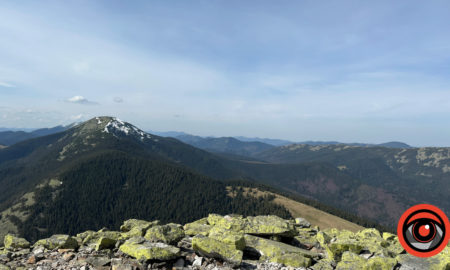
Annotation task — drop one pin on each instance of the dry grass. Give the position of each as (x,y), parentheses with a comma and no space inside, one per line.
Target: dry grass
(315,216)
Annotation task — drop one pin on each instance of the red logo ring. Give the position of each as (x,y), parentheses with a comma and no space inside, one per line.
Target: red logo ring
(423,230)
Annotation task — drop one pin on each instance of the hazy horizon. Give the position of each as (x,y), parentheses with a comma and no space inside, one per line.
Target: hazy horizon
(342,71)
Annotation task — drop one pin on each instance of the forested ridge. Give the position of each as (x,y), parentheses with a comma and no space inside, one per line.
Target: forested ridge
(110,188)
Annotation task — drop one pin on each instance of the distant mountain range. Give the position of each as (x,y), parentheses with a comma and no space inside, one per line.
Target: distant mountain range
(10,137)
(188,138)
(63,175)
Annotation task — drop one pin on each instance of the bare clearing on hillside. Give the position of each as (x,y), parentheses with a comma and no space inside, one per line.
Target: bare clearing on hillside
(317,217)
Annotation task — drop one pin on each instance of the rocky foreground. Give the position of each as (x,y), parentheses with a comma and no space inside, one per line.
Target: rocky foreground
(216,242)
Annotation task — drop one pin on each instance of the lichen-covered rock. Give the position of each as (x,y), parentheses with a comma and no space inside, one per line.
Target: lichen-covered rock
(306,238)
(259,225)
(270,243)
(440,261)
(337,248)
(369,233)
(136,228)
(380,263)
(292,260)
(269,225)
(389,236)
(61,241)
(105,243)
(92,238)
(199,227)
(132,223)
(216,249)
(235,239)
(324,264)
(12,242)
(82,236)
(335,242)
(302,223)
(144,250)
(273,250)
(230,222)
(169,233)
(350,261)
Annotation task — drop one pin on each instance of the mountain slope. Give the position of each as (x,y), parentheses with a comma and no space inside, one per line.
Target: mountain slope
(107,170)
(103,190)
(25,166)
(413,175)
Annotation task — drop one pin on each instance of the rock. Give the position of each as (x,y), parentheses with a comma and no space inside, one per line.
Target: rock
(382,263)
(259,225)
(368,233)
(4,267)
(32,260)
(292,260)
(38,250)
(216,249)
(12,242)
(68,256)
(389,236)
(58,241)
(269,225)
(338,247)
(439,261)
(336,242)
(169,233)
(301,222)
(144,250)
(323,238)
(101,239)
(350,261)
(105,243)
(197,261)
(82,236)
(306,238)
(324,264)
(234,239)
(273,251)
(136,228)
(197,227)
(121,264)
(98,261)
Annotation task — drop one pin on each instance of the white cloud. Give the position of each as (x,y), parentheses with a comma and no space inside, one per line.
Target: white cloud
(80,100)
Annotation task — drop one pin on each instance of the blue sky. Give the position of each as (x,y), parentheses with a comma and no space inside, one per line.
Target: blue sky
(350,71)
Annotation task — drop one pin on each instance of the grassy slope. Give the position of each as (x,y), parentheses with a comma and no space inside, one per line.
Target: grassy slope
(315,216)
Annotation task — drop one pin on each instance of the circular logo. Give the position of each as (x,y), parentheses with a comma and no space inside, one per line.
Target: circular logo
(423,230)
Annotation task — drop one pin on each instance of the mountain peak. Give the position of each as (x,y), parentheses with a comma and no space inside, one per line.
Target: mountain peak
(114,126)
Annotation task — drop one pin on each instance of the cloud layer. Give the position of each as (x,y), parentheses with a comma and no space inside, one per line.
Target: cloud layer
(303,70)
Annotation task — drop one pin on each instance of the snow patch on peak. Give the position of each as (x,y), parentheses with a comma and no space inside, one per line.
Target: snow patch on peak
(98,120)
(118,125)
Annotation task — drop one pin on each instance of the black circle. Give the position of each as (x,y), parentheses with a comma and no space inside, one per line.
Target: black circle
(431,234)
